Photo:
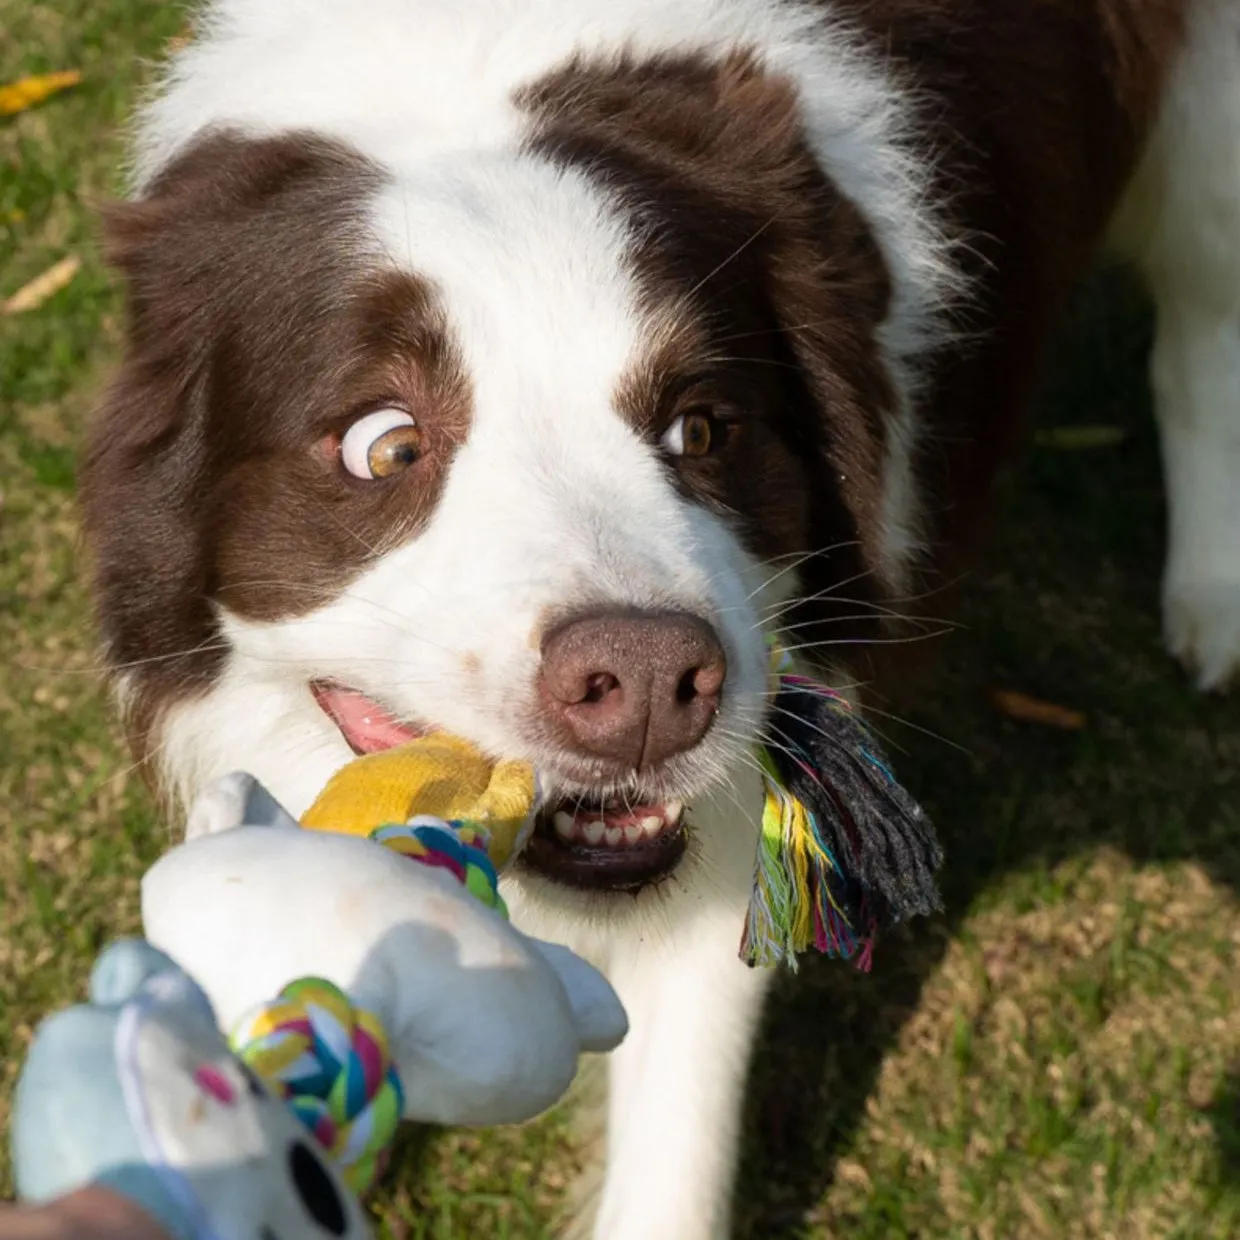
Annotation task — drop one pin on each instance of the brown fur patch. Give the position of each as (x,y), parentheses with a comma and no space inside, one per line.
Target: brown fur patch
(767,286)
(1037,112)
(258,332)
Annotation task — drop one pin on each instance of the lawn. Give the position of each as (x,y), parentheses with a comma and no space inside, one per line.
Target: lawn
(1056,1057)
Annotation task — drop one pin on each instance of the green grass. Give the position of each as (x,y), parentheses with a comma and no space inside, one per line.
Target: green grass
(1057,1057)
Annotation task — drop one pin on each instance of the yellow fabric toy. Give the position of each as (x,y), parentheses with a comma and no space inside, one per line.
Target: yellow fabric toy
(439,776)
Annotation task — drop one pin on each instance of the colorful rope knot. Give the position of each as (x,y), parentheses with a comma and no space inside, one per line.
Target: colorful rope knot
(330,1062)
(460,847)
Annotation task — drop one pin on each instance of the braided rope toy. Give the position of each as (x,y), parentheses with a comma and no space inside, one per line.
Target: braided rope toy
(328,1059)
(843,850)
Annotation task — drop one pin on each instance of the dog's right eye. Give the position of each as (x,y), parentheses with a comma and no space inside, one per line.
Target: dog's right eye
(381,444)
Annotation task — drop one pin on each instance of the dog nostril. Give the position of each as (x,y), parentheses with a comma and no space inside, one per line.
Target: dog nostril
(599,686)
(687,689)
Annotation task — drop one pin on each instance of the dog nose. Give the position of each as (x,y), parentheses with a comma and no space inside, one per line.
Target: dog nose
(632,687)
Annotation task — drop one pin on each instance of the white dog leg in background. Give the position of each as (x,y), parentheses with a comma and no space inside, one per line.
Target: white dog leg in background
(1182,223)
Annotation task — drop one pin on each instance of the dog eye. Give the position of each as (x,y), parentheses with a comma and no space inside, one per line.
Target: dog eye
(697,432)
(381,444)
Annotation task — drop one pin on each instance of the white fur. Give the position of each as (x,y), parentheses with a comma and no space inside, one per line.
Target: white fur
(552,504)
(1182,225)
(553,501)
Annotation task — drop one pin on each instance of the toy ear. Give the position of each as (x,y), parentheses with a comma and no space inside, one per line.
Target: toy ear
(597,1011)
(233,801)
(129,966)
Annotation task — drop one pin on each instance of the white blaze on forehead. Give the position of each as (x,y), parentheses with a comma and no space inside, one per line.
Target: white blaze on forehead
(409,82)
(529,259)
(531,265)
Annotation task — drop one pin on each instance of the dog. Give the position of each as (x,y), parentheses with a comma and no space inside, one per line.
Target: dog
(517,367)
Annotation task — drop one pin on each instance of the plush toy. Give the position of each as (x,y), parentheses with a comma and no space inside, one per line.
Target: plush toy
(364,980)
(137,1091)
(370,979)
(843,849)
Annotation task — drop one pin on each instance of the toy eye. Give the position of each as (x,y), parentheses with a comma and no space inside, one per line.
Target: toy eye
(381,444)
(697,432)
(314,1187)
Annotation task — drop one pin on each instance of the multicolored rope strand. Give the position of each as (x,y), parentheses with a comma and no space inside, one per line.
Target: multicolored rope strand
(843,850)
(459,847)
(330,1062)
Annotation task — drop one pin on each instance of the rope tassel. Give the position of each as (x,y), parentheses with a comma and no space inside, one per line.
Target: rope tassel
(844,850)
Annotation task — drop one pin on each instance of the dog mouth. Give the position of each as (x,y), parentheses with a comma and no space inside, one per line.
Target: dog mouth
(612,844)
(599,843)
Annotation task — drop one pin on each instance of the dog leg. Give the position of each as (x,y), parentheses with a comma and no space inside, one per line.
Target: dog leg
(1183,227)
(677,1084)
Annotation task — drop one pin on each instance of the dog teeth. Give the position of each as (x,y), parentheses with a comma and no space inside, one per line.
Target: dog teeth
(564,826)
(652,826)
(593,832)
(632,833)
(673,810)
(613,836)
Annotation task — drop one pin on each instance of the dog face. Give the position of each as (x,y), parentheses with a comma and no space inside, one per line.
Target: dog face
(530,442)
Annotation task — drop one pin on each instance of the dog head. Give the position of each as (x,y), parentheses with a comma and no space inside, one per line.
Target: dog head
(532,436)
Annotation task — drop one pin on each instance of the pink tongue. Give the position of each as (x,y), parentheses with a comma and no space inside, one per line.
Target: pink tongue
(366,725)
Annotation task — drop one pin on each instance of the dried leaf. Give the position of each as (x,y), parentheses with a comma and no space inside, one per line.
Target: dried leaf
(42,286)
(26,92)
(1028,709)
(1080,438)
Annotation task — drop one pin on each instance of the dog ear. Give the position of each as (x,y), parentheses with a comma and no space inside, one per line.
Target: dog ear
(188,252)
(141,466)
(142,473)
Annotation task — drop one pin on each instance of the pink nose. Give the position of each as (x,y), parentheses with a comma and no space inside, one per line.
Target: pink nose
(632,687)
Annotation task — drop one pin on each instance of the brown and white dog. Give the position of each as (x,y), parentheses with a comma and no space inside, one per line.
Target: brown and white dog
(513,366)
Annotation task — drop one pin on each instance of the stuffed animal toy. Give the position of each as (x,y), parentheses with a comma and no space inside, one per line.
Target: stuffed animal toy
(364,980)
(372,978)
(137,1091)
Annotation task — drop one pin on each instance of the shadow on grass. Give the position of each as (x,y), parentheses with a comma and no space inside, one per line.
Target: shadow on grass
(1066,609)
(1224,1116)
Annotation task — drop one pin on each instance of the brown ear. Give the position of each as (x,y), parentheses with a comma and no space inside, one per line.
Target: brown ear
(143,475)
(197,255)
(139,479)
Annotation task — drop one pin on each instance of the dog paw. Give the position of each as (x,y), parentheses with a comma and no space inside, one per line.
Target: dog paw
(1202,627)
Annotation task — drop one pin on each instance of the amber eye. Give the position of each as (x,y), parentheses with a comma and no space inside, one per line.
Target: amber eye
(381,444)
(695,433)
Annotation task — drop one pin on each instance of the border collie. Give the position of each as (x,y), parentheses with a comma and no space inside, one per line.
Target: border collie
(516,366)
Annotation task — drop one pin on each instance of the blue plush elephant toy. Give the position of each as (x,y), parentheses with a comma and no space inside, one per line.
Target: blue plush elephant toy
(138,1092)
